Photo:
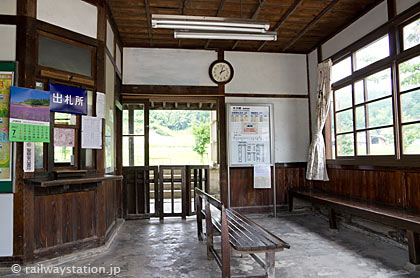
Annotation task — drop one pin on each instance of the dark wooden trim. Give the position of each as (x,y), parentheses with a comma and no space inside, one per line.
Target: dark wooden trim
(311,24)
(26,8)
(169,90)
(285,16)
(219,13)
(8,19)
(149,21)
(291,165)
(309,97)
(266,95)
(384,165)
(392,8)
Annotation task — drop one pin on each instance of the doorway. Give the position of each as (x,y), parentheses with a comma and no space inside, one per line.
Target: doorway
(169,148)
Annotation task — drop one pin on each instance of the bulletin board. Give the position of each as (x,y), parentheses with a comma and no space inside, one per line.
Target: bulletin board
(250,134)
(6,163)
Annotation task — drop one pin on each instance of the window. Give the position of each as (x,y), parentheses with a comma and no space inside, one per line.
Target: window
(133,135)
(375,111)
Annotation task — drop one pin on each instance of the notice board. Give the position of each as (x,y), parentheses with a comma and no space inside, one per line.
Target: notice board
(250,134)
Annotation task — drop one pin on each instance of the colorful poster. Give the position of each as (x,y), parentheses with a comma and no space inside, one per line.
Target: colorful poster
(68,99)
(6,81)
(29,115)
(5,169)
(64,137)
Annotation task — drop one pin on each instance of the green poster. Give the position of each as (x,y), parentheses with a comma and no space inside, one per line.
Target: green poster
(29,132)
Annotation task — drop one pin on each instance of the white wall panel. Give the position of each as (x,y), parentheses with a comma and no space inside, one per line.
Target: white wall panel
(6,220)
(8,7)
(403,5)
(313,83)
(74,15)
(363,26)
(291,126)
(154,66)
(109,38)
(118,58)
(7,42)
(267,73)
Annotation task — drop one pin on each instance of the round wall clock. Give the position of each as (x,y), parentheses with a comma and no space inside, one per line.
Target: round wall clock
(221,71)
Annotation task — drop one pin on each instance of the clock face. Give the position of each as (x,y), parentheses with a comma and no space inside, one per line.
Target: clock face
(221,72)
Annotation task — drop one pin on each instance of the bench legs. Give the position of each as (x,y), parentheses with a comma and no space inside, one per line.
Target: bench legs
(332,217)
(414,247)
(209,231)
(225,246)
(290,201)
(198,208)
(270,264)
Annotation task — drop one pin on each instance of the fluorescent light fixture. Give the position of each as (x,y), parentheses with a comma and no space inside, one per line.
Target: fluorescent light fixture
(268,36)
(209,23)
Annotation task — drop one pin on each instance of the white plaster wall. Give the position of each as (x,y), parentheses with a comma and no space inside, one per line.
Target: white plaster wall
(74,15)
(109,116)
(403,5)
(109,38)
(364,25)
(313,83)
(7,42)
(118,57)
(6,220)
(271,73)
(155,66)
(291,126)
(8,7)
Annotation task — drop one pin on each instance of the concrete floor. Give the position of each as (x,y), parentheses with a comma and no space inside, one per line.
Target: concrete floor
(146,248)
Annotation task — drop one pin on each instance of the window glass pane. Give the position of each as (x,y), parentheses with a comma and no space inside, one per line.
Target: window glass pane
(126,158)
(361,143)
(139,122)
(90,103)
(411,139)
(341,70)
(379,85)
(89,158)
(380,113)
(371,53)
(343,98)
(63,155)
(410,74)
(345,145)
(360,117)
(411,34)
(332,138)
(39,155)
(381,141)
(410,106)
(359,92)
(64,118)
(125,122)
(64,56)
(344,121)
(139,151)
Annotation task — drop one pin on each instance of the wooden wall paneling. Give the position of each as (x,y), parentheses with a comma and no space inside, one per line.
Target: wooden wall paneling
(100,211)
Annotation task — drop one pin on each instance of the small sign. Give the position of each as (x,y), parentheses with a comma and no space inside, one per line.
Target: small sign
(68,99)
(262,176)
(28,157)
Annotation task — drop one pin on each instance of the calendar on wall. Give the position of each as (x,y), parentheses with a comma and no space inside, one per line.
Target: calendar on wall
(249,135)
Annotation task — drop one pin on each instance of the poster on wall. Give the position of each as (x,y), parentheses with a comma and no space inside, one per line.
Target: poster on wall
(249,134)
(67,99)
(29,115)
(91,132)
(6,81)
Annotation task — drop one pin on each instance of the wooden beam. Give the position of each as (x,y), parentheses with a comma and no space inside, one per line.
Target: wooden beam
(283,19)
(183,8)
(149,27)
(169,90)
(219,13)
(311,24)
(254,16)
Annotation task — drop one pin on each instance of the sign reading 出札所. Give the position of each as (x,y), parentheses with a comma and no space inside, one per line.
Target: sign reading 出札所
(68,99)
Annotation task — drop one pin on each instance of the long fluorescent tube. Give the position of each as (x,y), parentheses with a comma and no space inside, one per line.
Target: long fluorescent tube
(164,21)
(268,36)
(209,28)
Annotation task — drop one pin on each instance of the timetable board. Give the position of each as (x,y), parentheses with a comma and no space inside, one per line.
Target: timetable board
(249,135)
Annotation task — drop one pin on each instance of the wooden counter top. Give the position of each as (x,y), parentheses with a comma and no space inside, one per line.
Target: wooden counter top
(60,182)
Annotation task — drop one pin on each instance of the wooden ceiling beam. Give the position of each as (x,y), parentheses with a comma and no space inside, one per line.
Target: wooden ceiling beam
(283,19)
(254,16)
(149,27)
(219,13)
(183,9)
(310,24)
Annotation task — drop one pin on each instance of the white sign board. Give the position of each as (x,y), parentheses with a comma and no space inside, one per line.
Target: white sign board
(262,176)
(249,135)
(91,132)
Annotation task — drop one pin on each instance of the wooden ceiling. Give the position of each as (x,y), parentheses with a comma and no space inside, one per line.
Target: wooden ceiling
(301,24)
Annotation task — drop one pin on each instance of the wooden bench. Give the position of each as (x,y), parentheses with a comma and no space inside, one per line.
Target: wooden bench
(238,232)
(388,215)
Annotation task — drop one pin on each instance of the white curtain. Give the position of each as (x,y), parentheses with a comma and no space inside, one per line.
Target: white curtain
(317,164)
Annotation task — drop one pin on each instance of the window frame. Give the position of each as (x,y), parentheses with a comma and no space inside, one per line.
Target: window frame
(397,56)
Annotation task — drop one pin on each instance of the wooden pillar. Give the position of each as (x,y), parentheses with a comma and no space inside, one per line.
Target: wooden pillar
(414,247)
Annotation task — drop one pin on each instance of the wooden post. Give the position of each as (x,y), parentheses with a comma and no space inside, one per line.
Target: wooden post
(198,208)
(270,264)
(413,247)
(333,220)
(161,200)
(225,246)
(290,201)
(209,231)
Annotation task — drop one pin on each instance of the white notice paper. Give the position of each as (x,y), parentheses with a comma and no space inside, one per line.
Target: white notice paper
(262,176)
(100,105)
(91,132)
(28,157)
